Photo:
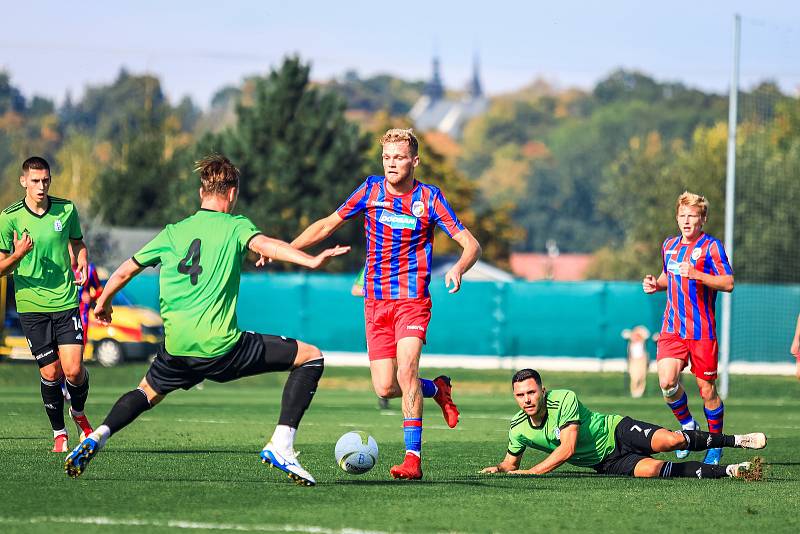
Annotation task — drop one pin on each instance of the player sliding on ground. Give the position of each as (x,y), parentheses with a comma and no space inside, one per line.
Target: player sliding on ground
(557,423)
(201,258)
(400,214)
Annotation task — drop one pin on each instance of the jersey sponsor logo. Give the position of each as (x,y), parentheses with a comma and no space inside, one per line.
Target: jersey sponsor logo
(709,373)
(398,221)
(380,204)
(674,267)
(696,253)
(57,225)
(415,327)
(670,252)
(418,208)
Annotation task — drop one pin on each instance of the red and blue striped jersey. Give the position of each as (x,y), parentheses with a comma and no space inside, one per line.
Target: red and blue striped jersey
(399,232)
(690,304)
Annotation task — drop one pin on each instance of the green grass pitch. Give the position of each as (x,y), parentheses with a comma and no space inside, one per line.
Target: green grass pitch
(191,464)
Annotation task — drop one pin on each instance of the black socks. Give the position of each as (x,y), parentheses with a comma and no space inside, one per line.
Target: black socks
(299,390)
(130,406)
(78,394)
(697,440)
(53,403)
(692,470)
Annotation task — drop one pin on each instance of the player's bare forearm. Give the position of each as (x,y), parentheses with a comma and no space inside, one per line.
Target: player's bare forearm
(278,250)
(471,250)
(81,255)
(118,280)
(721,282)
(509,463)
(318,231)
(562,453)
(662,282)
(8,262)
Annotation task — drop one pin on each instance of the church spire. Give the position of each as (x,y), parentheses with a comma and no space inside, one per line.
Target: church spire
(475,90)
(434,88)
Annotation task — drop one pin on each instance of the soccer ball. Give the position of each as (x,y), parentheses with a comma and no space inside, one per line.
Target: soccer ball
(356,452)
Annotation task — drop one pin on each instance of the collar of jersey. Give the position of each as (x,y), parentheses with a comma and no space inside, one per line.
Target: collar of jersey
(387,194)
(45,212)
(544,420)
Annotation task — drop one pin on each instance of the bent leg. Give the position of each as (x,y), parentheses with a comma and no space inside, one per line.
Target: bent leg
(384,378)
(648,468)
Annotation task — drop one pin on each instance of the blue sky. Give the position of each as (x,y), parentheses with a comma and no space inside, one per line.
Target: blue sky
(196,47)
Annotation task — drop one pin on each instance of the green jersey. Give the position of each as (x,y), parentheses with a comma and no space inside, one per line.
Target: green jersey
(43,280)
(595,435)
(201,264)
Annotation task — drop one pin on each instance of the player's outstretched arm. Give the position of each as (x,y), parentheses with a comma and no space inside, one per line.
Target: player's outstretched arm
(10,260)
(509,463)
(123,275)
(81,255)
(318,231)
(277,250)
(562,453)
(469,255)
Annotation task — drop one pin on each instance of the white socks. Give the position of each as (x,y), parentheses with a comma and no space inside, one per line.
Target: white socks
(283,437)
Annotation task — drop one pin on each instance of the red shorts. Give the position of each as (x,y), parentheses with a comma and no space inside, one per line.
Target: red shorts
(701,353)
(388,321)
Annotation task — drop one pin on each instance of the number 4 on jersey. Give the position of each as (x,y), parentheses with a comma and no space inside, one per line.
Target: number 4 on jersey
(191,263)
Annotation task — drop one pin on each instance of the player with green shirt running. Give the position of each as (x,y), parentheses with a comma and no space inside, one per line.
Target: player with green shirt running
(557,423)
(201,258)
(38,236)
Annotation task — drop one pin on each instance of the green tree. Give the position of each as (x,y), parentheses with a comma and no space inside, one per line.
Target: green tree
(299,156)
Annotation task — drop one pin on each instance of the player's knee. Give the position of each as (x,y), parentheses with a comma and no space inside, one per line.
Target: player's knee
(51,373)
(707,390)
(306,353)
(407,374)
(385,391)
(669,386)
(73,373)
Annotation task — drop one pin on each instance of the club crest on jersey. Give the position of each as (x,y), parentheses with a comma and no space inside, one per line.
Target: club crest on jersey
(57,225)
(557,433)
(398,221)
(696,253)
(418,208)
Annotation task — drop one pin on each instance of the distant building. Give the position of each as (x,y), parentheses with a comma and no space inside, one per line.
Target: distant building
(435,112)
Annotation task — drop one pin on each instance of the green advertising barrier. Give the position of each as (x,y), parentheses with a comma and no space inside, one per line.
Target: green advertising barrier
(578,319)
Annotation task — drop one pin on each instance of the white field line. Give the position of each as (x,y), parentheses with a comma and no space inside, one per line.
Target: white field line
(189,525)
(547,363)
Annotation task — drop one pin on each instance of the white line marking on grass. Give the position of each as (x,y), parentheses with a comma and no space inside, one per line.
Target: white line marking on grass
(190,525)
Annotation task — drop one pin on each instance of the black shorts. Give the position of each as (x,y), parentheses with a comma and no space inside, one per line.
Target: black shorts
(253,354)
(45,331)
(633,444)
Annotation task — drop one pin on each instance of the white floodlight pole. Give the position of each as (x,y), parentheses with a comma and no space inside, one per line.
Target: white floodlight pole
(730,190)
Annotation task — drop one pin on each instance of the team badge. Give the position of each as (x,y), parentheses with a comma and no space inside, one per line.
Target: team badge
(57,225)
(696,253)
(557,433)
(417,208)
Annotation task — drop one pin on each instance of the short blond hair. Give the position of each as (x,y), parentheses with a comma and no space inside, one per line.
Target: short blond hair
(401,135)
(217,174)
(691,199)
